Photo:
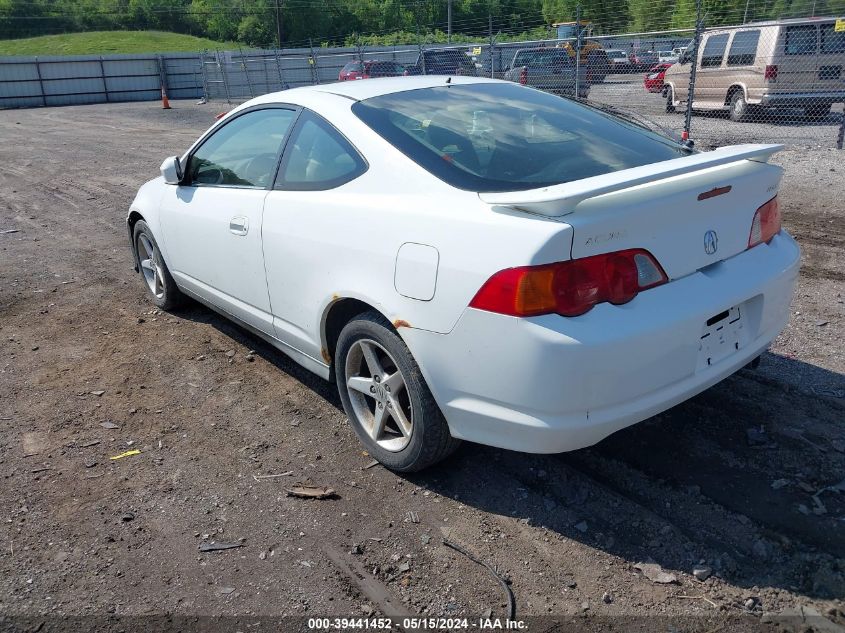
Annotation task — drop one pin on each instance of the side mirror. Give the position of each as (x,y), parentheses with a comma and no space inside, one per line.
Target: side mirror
(171,170)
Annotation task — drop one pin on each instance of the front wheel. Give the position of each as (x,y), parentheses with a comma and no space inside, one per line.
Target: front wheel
(160,285)
(388,403)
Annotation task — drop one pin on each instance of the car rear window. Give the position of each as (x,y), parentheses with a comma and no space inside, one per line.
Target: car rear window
(505,137)
(446,60)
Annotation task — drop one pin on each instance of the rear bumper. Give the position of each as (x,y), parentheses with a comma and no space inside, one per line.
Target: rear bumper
(799,99)
(552,384)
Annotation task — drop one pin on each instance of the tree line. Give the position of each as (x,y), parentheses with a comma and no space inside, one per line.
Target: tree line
(351,22)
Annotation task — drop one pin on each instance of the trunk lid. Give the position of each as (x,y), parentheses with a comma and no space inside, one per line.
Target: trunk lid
(690,212)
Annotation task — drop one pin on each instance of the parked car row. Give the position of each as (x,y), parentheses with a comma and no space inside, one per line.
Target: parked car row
(371,68)
(549,69)
(619,61)
(448,61)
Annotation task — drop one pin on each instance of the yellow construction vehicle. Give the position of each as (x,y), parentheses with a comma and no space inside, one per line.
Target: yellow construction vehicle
(593,56)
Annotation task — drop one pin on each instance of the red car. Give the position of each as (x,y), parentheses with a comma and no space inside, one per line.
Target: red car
(370,68)
(653,81)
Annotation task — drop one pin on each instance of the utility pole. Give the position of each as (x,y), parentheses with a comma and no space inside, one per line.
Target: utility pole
(279,24)
(578,51)
(745,17)
(449,20)
(696,42)
(492,43)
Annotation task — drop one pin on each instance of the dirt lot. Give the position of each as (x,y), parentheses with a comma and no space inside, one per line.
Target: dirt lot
(738,479)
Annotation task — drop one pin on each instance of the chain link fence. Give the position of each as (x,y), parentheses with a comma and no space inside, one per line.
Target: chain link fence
(778,81)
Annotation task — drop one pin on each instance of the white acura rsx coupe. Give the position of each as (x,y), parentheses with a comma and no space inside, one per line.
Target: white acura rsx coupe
(473,259)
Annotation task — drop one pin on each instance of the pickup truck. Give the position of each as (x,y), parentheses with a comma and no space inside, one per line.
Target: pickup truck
(548,69)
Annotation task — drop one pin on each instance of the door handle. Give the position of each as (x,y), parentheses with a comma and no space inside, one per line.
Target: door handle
(239,225)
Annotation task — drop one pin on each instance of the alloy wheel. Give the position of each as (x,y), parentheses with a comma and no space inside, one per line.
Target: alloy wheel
(149,258)
(379,395)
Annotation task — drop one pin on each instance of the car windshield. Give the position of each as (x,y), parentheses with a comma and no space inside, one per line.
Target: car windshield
(505,137)
(616,54)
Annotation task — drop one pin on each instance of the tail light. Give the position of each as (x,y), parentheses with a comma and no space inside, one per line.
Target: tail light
(766,223)
(570,288)
(523,76)
(771,72)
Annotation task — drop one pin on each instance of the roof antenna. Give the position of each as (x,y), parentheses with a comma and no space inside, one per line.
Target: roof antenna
(448,80)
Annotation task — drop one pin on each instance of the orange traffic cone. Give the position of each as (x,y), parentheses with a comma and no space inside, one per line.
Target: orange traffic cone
(165,102)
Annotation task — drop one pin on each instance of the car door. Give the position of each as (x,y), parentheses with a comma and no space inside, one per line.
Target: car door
(741,67)
(709,81)
(831,59)
(308,209)
(212,221)
(798,66)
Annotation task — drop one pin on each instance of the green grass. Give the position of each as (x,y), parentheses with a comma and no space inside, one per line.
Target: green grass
(107,42)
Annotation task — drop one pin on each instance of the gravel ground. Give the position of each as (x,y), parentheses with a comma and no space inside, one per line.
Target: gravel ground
(740,479)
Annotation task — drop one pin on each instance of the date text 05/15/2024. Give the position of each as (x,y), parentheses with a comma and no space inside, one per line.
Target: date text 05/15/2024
(412,623)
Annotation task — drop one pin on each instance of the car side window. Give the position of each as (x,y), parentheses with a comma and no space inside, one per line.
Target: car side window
(800,40)
(714,51)
(743,48)
(242,153)
(832,41)
(318,157)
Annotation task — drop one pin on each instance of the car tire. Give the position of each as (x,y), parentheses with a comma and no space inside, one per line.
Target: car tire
(739,110)
(817,111)
(389,406)
(670,99)
(160,286)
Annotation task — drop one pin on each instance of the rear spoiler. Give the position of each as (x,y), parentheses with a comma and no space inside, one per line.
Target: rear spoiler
(562,199)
